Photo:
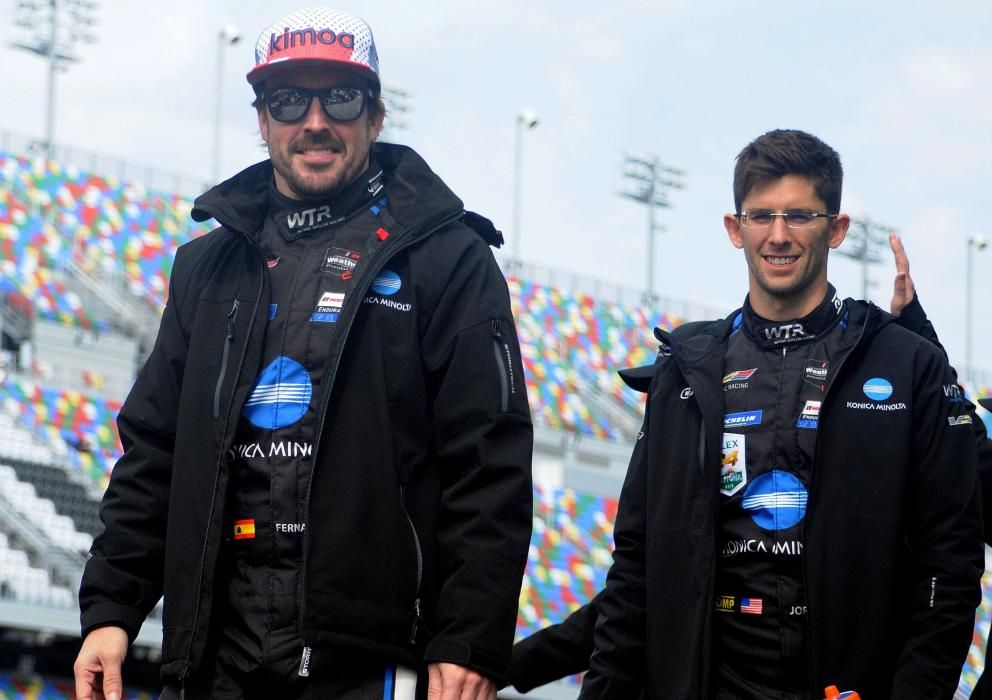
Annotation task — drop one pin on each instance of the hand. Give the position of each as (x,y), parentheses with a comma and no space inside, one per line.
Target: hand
(453,682)
(903,289)
(98,666)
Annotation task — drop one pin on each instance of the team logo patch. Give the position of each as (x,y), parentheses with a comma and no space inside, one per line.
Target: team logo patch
(742,420)
(733,467)
(340,262)
(740,375)
(776,500)
(386,283)
(959,420)
(281,395)
(328,308)
(816,373)
(244,529)
(877,389)
(810,417)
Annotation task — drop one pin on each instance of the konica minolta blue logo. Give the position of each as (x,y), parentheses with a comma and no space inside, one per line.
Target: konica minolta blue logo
(281,395)
(386,283)
(776,500)
(743,419)
(877,389)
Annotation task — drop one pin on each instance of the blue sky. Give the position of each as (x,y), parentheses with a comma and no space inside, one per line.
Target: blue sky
(903,90)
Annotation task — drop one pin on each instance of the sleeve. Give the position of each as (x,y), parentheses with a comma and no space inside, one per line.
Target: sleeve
(483,441)
(123,577)
(616,668)
(555,652)
(946,559)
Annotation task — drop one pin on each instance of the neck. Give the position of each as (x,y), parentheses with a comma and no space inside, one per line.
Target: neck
(775,308)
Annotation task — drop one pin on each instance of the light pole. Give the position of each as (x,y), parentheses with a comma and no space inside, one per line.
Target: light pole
(653,179)
(397,101)
(975,242)
(865,241)
(526,119)
(57,26)
(228,36)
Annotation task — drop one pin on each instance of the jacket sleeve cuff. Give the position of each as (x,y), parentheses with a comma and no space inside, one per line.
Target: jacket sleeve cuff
(913,317)
(454,652)
(112,615)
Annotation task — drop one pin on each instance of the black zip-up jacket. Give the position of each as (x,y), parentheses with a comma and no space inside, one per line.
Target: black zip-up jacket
(893,552)
(419,503)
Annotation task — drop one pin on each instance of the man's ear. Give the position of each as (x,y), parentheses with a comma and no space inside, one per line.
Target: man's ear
(838,230)
(732,223)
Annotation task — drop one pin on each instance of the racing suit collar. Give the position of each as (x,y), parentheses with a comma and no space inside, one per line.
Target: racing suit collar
(771,334)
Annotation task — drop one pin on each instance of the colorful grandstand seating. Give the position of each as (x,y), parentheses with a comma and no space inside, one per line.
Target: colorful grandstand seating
(50,214)
(34,687)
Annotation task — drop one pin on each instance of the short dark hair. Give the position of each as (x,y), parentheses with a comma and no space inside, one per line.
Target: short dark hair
(376,106)
(789,152)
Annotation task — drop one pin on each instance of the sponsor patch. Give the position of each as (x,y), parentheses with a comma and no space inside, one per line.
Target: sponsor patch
(953,393)
(726,603)
(816,373)
(328,308)
(810,416)
(742,420)
(340,262)
(272,263)
(244,529)
(733,466)
(877,389)
(740,375)
(776,500)
(752,606)
(280,396)
(786,333)
(386,283)
(686,393)
(959,420)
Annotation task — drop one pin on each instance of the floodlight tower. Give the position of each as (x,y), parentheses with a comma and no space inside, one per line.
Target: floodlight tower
(397,103)
(52,30)
(865,241)
(652,182)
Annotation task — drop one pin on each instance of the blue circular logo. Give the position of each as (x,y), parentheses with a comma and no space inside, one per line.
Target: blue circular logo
(387,283)
(280,396)
(776,500)
(877,389)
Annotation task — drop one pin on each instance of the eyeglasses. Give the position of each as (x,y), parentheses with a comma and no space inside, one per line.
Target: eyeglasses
(794,218)
(290,104)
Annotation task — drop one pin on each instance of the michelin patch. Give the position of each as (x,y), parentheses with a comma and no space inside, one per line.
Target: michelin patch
(733,468)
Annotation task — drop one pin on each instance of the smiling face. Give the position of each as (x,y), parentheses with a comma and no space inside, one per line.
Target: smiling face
(787,267)
(316,156)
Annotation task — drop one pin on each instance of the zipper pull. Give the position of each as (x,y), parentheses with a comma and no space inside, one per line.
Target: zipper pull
(416,620)
(496,329)
(230,320)
(305,662)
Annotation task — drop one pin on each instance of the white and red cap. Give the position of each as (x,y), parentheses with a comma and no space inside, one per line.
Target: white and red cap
(316,35)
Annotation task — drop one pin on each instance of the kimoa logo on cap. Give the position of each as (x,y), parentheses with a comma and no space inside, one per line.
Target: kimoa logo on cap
(290,39)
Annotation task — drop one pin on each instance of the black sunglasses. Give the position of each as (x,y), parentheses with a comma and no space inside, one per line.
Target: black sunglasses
(290,104)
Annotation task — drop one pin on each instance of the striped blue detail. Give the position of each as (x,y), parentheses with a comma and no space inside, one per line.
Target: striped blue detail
(273,310)
(324,317)
(389,683)
(877,389)
(280,396)
(387,283)
(776,500)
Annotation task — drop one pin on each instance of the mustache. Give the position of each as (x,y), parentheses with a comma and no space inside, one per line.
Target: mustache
(318,141)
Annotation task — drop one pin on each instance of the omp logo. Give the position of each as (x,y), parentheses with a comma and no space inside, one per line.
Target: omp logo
(725,603)
(387,283)
(739,375)
(959,420)
(280,396)
(308,217)
(302,37)
(788,331)
(877,389)
(776,500)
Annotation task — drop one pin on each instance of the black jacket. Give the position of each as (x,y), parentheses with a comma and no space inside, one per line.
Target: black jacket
(419,503)
(893,554)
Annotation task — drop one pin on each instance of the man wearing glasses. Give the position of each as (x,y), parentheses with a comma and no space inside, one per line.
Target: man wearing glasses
(801,508)
(327,454)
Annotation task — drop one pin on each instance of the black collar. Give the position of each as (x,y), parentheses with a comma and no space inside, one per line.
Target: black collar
(810,327)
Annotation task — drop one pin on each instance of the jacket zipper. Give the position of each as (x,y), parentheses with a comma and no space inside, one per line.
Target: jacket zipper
(812,489)
(504,384)
(232,315)
(325,399)
(420,566)
(220,457)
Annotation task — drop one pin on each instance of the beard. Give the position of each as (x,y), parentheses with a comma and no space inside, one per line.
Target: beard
(321,181)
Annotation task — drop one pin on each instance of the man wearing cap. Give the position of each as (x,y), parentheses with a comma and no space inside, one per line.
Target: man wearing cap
(802,505)
(327,454)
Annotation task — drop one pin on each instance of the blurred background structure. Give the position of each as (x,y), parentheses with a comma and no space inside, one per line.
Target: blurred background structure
(87,239)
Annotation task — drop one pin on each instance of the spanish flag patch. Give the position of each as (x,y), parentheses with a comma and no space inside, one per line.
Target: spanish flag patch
(244,529)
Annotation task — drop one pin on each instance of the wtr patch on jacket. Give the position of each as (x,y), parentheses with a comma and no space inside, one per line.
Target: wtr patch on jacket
(733,470)
(280,396)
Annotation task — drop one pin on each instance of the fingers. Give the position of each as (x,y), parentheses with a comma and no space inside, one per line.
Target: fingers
(98,667)
(453,682)
(899,251)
